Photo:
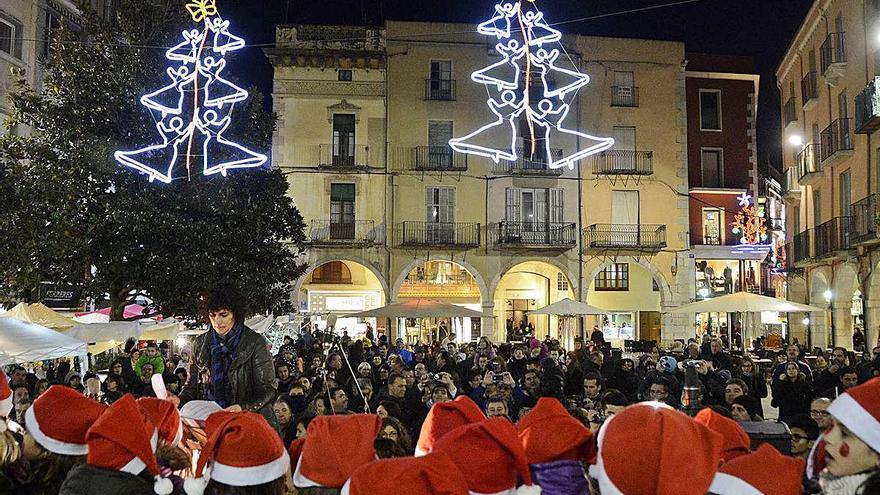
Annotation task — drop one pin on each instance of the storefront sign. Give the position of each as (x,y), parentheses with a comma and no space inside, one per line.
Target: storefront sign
(344,303)
(57,296)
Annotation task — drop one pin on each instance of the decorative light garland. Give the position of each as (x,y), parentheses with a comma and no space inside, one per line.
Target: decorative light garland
(749,223)
(522,36)
(194,110)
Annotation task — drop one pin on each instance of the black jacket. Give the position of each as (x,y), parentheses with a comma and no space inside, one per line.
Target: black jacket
(251,376)
(86,479)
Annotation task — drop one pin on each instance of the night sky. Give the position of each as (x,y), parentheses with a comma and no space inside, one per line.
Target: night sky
(761,29)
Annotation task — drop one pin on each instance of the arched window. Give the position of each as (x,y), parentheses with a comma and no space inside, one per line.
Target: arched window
(334,272)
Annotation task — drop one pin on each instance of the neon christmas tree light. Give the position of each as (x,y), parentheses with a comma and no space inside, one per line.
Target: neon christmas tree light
(194,110)
(749,223)
(522,35)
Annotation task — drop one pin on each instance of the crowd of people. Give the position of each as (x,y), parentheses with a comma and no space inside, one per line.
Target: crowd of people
(336,414)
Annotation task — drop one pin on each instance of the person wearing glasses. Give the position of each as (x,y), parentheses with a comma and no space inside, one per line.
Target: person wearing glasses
(804,433)
(819,412)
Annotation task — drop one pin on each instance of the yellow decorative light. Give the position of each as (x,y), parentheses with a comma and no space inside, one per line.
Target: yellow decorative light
(201,9)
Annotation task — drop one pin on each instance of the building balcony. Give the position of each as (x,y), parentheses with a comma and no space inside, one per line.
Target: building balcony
(809,165)
(832,236)
(440,89)
(864,220)
(809,90)
(802,247)
(868,108)
(332,233)
(431,234)
(528,164)
(623,162)
(352,156)
(833,57)
(536,235)
(789,112)
(792,185)
(638,237)
(428,159)
(624,96)
(837,142)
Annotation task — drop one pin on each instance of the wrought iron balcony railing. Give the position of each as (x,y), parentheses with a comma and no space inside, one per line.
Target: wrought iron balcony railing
(352,232)
(442,158)
(833,236)
(809,161)
(639,236)
(792,186)
(623,162)
(537,234)
(344,156)
(530,164)
(836,138)
(440,89)
(803,246)
(868,108)
(624,96)
(438,234)
(809,88)
(864,217)
(833,50)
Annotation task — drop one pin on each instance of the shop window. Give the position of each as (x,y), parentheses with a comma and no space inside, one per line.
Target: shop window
(613,278)
(561,282)
(334,272)
(711,226)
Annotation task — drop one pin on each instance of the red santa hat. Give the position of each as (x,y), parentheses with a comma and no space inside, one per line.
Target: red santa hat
(736,441)
(433,474)
(5,400)
(334,447)
(764,472)
(59,419)
(859,410)
(650,448)
(124,439)
(241,450)
(445,417)
(549,433)
(490,456)
(166,418)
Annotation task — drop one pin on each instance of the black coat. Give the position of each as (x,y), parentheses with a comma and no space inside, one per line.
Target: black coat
(86,479)
(792,398)
(251,376)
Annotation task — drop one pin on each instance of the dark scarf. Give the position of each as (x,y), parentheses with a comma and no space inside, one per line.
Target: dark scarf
(223,352)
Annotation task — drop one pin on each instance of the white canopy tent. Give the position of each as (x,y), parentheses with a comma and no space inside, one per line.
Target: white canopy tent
(744,302)
(24,342)
(104,336)
(419,309)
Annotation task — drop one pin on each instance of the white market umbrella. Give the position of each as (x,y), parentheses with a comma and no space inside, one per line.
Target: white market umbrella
(744,302)
(418,308)
(569,307)
(24,342)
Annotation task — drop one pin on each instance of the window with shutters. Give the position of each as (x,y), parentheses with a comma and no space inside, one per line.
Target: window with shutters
(614,277)
(334,272)
(710,110)
(343,139)
(712,166)
(536,215)
(440,85)
(440,202)
(342,224)
(439,152)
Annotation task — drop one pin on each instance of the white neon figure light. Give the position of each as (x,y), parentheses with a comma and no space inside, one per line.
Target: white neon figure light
(194,110)
(522,34)
(744,199)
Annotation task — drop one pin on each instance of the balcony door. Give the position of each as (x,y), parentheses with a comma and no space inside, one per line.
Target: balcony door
(625,218)
(625,143)
(439,152)
(712,226)
(440,221)
(343,139)
(342,224)
(441,80)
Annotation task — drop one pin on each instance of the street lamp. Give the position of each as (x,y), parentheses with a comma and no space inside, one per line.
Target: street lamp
(795,140)
(806,320)
(830,300)
(704,292)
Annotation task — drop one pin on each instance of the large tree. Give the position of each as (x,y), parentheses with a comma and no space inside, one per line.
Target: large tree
(71,214)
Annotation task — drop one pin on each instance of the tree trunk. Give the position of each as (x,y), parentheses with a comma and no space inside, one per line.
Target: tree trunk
(118,301)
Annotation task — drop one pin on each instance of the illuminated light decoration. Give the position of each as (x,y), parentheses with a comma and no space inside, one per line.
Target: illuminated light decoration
(194,110)
(522,34)
(749,223)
